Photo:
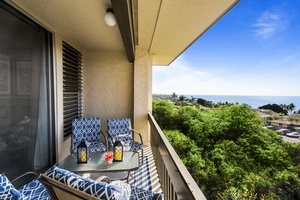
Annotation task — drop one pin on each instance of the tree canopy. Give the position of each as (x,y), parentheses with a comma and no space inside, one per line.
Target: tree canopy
(229,153)
(276,108)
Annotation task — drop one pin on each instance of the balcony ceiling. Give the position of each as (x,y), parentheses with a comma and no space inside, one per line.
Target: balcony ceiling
(168,27)
(165,28)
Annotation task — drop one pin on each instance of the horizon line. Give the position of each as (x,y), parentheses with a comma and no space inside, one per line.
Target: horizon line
(227,95)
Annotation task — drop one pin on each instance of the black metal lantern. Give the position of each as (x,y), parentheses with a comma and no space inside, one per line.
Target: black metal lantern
(83,152)
(118,151)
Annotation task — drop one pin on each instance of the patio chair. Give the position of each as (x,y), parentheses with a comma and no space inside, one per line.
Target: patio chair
(58,190)
(25,186)
(89,130)
(58,184)
(120,129)
(63,184)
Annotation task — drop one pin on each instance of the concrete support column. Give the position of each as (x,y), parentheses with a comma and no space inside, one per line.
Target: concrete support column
(142,92)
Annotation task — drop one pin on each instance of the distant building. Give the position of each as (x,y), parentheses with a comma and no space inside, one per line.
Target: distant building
(291,122)
(266,115)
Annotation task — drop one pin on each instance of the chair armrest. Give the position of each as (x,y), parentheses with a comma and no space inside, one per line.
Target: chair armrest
(103,178)
(139,134)
(105,138)
(157,196)
(23,179)
(117,137)
(109,136)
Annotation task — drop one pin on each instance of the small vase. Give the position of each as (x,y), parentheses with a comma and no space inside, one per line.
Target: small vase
(109,161)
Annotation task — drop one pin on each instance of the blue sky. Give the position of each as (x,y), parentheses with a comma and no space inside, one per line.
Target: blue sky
(253,50)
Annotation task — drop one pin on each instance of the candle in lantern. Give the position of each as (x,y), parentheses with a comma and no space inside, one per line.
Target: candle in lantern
(83,156)
(118,154)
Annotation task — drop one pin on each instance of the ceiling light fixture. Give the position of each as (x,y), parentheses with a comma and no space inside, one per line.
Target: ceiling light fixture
(109,17)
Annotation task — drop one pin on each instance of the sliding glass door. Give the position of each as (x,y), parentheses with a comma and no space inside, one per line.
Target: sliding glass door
(26,94)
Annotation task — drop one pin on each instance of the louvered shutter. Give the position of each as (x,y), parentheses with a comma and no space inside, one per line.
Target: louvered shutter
(72,86)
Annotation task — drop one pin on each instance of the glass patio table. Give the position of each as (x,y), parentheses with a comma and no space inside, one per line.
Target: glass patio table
(97,164)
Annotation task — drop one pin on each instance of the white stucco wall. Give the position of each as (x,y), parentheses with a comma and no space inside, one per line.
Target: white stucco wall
(115,88)
(142,93)
(107,86)
(112,88)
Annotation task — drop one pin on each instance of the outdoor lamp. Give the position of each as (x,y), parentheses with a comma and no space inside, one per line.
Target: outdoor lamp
(118,151)
(109,17)
(83,152)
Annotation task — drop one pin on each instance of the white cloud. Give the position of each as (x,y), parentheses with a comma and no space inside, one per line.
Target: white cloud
(269,23)
(180,77)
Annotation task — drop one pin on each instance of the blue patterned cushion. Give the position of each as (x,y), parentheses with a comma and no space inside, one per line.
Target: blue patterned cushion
(34,190)
(7,190)
(98,189)
(87,129)
(135,146)
(96,146)
(139,194)
(123,188)
(121,129)
(123,123)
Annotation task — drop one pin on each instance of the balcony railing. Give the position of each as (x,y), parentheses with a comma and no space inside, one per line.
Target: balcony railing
(176,181)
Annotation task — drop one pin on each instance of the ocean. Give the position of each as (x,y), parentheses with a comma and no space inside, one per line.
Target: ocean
(253,101)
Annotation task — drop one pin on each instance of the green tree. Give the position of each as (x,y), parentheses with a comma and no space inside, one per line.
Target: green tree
(291,107)
(184,116)
(231,155)
(201,101)
(189,152)
(173,96)
(282,108)
(182,98)
(163,112)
